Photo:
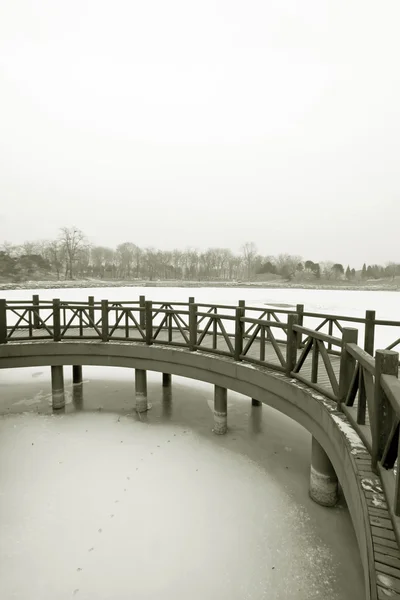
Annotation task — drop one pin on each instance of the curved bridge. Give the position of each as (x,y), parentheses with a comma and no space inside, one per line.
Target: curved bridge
(348,401)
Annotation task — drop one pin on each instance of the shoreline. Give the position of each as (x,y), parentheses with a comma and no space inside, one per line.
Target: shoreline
(367,287)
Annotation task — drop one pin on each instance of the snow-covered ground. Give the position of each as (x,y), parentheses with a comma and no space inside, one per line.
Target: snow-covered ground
(98,503)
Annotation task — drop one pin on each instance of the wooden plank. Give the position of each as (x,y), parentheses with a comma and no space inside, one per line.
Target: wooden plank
(384,550)
(365,474)
(392,571)
(382,504)
(383,533)
(379,522)
(384,542)
(383,594)
(379,512)
(390,561)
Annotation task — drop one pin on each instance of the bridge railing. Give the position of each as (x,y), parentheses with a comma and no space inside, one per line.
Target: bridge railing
(316,344)
(22,316)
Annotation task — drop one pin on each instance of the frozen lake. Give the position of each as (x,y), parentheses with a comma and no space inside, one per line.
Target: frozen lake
(101,503)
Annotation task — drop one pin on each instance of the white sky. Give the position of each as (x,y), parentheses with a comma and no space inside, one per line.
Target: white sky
(179,123)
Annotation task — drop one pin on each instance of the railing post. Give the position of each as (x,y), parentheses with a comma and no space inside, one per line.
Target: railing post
(386,363)
(347,363)
(369,336)
(300,317)
(192,326)
(239,329)
(142,315)
(91,308)
(104,320)
(191,299)
(292,343)
(36,302)
(149,321)
(3,322)
(56,320)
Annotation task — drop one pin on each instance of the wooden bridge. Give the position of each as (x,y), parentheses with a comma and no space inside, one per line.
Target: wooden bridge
(348,396)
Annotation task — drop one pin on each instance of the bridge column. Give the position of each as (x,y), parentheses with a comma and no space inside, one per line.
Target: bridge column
(77,387)
(220,410)
(166,379)
(255,402)
(76,374)
(141,390)
(57,387)
(323,479)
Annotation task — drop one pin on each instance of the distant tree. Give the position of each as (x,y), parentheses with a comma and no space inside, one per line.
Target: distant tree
(249,251)
(348,273)
(391,270)
(364,272)
(7,264)
(309,265)
(73,241)
(353,273)
(316,270)
(337,270)
(267,267)
(287,265)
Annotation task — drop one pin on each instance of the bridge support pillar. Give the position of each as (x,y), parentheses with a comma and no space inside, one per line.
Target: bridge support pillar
(141,390)
(220,410)
(76,374)
(57,387)
(323,479)
(255,402)
(166,379)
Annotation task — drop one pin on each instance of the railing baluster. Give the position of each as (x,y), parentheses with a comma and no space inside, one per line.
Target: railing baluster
(3,321)
(314,362)
(149,322)
(262,343)
(142,313)
(369,334)
(170,327)
(36,302)
(347,364)
(193,326)
(104,320)
(91,308)
(30,323)
(239,329)
(330,333)
(362,398)
(56,320)
(215,324)
(386,363)
(300,319)
(292,344)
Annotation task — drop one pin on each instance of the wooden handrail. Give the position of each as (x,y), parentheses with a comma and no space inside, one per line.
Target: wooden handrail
(322,337)
(362,357)
(391,387)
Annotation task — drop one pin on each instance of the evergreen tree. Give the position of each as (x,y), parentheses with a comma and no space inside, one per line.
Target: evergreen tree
(364,272)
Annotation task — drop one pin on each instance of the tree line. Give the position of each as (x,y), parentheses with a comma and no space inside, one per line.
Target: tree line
(71,256)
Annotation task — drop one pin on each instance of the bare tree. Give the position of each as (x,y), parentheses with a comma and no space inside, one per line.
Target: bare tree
(55,254)
(73,241)
(249,251)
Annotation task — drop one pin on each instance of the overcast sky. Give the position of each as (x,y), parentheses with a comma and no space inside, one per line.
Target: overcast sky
(212,123)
